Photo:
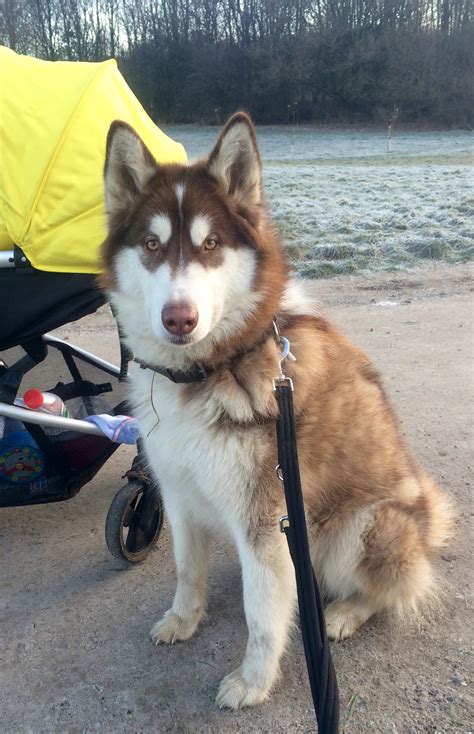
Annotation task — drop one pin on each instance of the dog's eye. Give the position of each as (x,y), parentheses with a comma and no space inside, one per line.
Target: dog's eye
(152,243)
(211,243)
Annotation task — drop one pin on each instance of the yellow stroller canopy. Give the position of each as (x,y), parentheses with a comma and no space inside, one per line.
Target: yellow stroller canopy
(54,119)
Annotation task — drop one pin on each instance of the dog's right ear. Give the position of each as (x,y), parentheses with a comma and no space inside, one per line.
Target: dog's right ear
(235,161)
(129,166)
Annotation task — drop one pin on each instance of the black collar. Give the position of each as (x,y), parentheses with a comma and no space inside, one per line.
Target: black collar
(197,372)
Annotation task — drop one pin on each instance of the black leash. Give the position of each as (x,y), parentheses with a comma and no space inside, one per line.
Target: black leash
(322,676)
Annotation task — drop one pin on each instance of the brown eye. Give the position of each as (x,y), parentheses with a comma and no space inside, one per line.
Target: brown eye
(211,243)
(152,243)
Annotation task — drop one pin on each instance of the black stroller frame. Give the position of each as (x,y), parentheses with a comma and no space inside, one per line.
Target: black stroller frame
(33,302)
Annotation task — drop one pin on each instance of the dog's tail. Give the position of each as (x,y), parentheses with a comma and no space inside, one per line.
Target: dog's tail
(439,515)
(396,570)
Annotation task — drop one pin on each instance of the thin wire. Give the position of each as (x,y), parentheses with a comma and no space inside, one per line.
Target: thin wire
(153,405)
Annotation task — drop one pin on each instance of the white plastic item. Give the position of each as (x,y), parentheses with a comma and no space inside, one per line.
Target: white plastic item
(46,402)
(82,407)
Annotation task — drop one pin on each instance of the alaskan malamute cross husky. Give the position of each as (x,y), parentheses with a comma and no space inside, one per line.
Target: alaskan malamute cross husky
(197,275)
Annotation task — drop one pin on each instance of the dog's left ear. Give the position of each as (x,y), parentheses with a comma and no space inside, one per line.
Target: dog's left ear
(235,161)
(129,166)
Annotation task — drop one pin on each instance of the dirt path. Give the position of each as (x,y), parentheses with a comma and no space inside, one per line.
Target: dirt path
(75,654)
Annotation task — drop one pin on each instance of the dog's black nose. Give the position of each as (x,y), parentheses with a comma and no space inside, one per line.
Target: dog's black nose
(179,318)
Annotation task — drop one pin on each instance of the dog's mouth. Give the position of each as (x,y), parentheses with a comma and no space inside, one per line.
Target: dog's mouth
(180,341)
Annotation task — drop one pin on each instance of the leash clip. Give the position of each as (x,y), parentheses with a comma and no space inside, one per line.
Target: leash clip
(284,343)
(284,523)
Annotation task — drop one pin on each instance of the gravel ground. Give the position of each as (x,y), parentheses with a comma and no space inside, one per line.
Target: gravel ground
(75,653)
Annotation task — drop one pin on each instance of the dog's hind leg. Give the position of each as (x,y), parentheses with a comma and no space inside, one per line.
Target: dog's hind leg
(393,573)
(269,600)
(191,544)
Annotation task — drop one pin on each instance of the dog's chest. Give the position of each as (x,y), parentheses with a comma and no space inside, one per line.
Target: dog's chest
(196,458)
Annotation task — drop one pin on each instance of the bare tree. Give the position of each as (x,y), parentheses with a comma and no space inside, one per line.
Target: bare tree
(334,58)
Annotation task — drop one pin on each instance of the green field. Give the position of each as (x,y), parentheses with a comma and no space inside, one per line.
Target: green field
(344,204)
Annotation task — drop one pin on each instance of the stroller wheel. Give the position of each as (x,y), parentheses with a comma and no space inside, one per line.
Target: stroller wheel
(134,522)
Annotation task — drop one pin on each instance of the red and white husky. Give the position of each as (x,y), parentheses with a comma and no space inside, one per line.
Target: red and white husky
(196,274)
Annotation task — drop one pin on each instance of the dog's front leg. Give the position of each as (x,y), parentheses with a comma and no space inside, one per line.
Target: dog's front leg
(269,599)
(191,545)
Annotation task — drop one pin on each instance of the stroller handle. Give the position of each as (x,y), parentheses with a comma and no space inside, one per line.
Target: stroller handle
(49,421)
(7,259)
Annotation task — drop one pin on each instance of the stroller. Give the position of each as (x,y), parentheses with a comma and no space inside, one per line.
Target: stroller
(51,226)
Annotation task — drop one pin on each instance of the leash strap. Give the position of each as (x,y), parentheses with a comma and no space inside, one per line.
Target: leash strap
(322,676)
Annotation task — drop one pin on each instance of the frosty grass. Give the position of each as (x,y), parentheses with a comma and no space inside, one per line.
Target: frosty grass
(344,204)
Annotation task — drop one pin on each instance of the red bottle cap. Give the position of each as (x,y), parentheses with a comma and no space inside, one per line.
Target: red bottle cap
(33,398)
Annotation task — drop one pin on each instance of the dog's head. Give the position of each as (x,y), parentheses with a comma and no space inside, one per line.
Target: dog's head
(190,259)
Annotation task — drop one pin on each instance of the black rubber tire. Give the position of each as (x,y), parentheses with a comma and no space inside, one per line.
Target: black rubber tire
(124,512)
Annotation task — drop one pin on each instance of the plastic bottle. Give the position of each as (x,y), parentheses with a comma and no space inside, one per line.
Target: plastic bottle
(46,402)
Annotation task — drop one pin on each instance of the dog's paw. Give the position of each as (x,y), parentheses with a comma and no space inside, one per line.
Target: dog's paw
(235,693)
(172,628)
(342,620)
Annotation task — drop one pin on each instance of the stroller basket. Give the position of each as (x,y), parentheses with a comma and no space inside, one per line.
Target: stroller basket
(72,449)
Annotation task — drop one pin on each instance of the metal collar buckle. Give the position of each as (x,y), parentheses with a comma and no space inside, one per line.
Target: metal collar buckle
(283,342)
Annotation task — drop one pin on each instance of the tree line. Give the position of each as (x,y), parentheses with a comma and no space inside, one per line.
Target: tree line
(283,60)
